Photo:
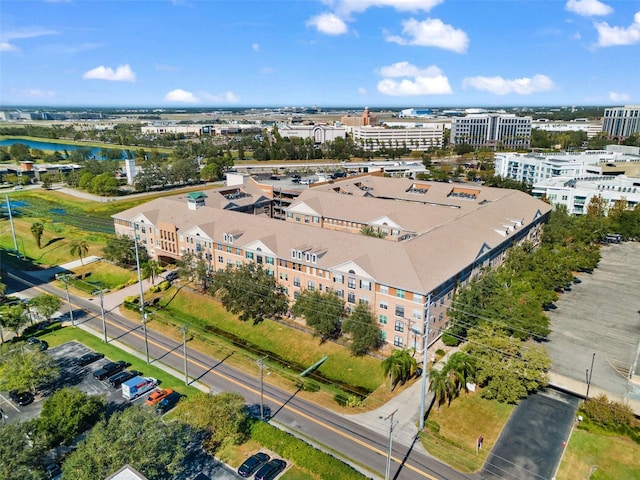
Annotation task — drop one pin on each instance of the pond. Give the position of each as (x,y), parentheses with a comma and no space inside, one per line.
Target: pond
(96,153)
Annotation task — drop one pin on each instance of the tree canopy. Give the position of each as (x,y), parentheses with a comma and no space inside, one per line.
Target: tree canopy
(323,312)
(25,369)
(250,292)
(20,458)
(363,330)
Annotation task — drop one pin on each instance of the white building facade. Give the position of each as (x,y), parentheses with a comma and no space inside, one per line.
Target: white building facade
(621,122)
(421,138)
(491,130)
(576,193)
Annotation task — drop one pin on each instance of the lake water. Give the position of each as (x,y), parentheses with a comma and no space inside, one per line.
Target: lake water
(52,147)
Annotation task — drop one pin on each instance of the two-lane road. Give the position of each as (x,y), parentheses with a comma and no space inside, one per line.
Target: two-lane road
(329,431)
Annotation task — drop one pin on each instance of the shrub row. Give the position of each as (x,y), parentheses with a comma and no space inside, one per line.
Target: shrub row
(304,455)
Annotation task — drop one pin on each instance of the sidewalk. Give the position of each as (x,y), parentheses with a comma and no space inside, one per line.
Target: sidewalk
(406,419)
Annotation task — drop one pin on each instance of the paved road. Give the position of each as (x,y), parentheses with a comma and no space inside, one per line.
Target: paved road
(530,446)
(366,449)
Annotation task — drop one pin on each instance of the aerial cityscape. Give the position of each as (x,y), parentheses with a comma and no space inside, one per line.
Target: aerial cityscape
(309,240)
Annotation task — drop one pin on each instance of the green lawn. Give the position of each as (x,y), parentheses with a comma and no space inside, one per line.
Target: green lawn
(289,344)
(617,458)
(106,275)
(461,423)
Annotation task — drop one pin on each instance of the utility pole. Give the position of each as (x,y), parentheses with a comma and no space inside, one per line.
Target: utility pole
(65,280)
(104,321)
(589,375)
(142,314)
(260,363)
(183,330)
(424,363)
(391,427)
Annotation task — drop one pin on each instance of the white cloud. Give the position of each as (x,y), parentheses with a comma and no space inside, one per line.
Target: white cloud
(28,32)
(503,86)
(431,32)
(255,47)
(35,93)
(121,74)
(416,81)
(182,96)
(8,47)
(588,8)
(328,23)
(609,36)
(227,97)
(619,97)
(346,7)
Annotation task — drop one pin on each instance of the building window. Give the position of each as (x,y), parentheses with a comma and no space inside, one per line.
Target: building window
(238,263)
(250,255)
(338,279)
(417,314)
(365,285)
(383,336)
(220,259)
(351,297)
(384,289)
(296,281)
(400,311)
(383,319)
(397,341)
(399,326)
(351,282)
(417,298)
(269,260)
(340,293)
(384,305)
(399,293)
(311,285)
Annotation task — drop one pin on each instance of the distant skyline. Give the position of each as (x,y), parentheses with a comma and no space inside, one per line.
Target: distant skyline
(333,53)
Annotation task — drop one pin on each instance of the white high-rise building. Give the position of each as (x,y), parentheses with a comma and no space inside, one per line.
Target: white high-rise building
(621,122)
(491,130)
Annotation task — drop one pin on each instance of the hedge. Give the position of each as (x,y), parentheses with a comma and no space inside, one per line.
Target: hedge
(302,454)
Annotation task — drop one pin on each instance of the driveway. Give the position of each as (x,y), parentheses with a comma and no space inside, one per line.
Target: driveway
(531,444)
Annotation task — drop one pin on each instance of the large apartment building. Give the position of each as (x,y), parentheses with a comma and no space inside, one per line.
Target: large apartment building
(436,236)
(421,138)
(621,122)
(491,130)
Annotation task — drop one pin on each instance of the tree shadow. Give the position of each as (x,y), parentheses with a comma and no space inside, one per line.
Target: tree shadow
(52,241)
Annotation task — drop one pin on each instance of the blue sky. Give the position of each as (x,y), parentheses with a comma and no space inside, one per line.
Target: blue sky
(291,53)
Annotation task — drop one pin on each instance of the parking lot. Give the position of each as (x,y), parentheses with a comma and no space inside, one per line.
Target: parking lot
(601,316)
(75,375)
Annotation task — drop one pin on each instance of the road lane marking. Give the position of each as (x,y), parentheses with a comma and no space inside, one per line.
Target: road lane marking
(209,369)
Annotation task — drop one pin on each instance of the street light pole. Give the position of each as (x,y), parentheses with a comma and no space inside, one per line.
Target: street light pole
(260,363)
(183,330)
(142,314)
(13,230)
(391,427)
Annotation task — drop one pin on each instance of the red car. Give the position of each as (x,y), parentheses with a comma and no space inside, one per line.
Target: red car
(158,395)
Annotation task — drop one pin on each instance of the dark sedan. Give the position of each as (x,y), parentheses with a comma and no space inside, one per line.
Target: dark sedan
(89,358)
(109,369)
(270,470)
(119,378)
(21,398)
(253,463)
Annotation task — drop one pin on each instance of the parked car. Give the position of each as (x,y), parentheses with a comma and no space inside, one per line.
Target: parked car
(270,470)
(36,342)
(168,402)
(253,463)
(109,369)
(21,398)
(89,358)
(158,395)
(172,275)
(119,378)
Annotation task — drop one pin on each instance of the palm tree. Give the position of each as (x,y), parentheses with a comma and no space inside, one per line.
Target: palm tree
(36,230)
(79,248)
(151,269)
(400,366)
(440,387)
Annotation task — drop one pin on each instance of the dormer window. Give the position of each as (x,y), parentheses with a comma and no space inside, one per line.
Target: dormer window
(228,238)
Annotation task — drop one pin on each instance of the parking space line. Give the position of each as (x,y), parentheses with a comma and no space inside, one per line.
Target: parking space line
(7,401)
